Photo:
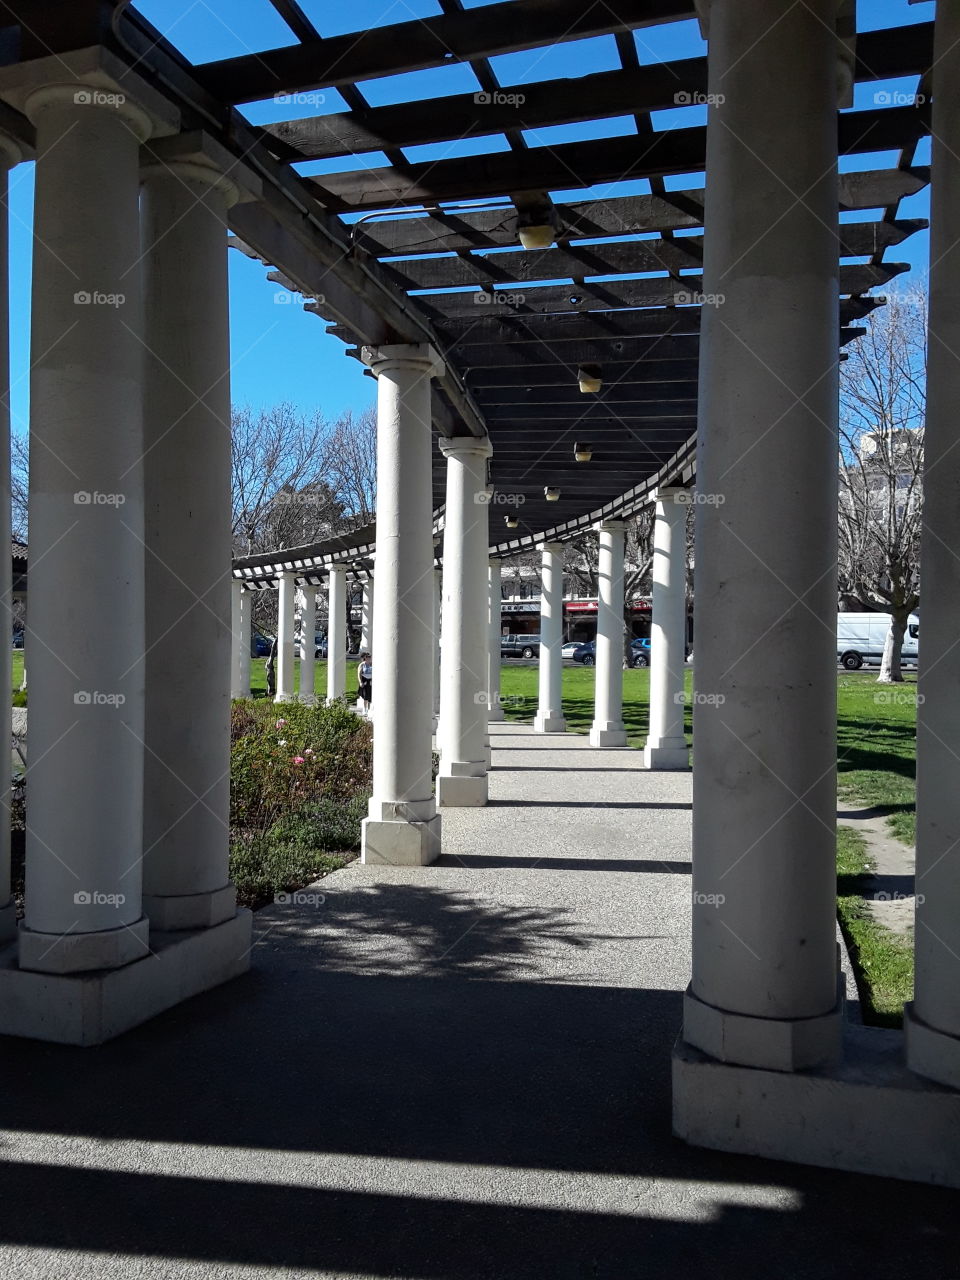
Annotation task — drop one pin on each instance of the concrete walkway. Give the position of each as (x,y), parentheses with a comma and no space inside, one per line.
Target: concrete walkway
(459,1071)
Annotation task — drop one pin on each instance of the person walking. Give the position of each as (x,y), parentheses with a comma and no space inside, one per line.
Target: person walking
(365,678)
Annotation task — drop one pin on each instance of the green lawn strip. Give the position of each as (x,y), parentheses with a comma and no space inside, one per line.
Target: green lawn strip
(882,960)
(258,678)
(877,742)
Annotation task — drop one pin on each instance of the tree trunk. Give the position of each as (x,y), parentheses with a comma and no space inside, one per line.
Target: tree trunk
(272,670)
(890,672)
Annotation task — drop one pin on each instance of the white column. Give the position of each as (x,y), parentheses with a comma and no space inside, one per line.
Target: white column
(337,633)
(607,729)
(549,717)
(495,596)
(246,639)
(286,605)
(308,643)
(437,600)
(463,661)
(366,615)
(764,991)
(932,1021)
(237,640)
(403,826)
(10,155)
(85,768)
(190,614)
(666,746)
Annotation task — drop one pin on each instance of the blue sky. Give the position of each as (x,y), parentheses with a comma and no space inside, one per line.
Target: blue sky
(278,351)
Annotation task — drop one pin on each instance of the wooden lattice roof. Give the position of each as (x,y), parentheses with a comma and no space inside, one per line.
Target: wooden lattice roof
(395,252)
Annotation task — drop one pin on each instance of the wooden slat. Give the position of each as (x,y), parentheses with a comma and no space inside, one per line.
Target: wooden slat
(393,48)
(622,372)
(658,86)
(585,164)
(592,219)
(592,349)
(571,397)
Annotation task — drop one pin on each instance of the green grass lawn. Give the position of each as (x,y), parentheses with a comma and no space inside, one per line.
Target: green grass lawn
(258,678)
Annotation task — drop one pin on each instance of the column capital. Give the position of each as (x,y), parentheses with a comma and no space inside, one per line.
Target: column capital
(553,548)
(92,79)
(610,526)
(196,156)
(676,495)
(465,446)
(420,357)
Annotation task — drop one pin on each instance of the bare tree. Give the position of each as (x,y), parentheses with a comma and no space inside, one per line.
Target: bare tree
(352,462)
(582,563)
(882,402)
(19,484)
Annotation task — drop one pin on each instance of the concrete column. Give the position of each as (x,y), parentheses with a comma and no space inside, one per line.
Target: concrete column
(190,615)
(308,644)
(366,615)
(403,826)
(237,640)
(549,717)
(463,661)
(85,766)
(495,596)
(246,640)
(666,746)
(607,729)
(932,1020)
(336,633)
(10,155)
(286,606)
(437,600)
(764,991)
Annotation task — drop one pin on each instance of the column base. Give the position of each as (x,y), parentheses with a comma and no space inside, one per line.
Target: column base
(668,753)
(608,733)
(461,791)
(495,712)
(308,699)
(773,1044)
(931,1053)
(86,1009)
(171,912)
(67,953)
(549,724)
(8,922)
(400,844)
(867,1115)
(285,697)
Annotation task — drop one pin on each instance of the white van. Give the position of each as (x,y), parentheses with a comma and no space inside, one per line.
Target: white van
(862,636)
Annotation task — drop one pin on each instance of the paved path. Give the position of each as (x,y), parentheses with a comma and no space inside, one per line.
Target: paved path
(458,1072)
(889,892)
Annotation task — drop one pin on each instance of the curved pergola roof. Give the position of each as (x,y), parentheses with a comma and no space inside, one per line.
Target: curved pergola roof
(413,250)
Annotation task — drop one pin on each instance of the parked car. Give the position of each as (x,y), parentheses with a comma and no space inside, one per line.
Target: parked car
(259,646)
(320,645)
(520,646)
(18,639)
(570,648)
(639,652)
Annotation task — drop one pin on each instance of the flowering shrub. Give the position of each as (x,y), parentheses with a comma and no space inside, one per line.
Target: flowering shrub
(300,778)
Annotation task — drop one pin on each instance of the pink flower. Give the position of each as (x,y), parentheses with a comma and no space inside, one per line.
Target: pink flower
(281,723)
(298,759)
(308,751)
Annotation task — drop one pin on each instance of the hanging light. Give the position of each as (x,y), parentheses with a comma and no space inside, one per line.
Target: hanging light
(536,222)
(583,452)
(538,235)
(588,375)
(511,522)
(551,494)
